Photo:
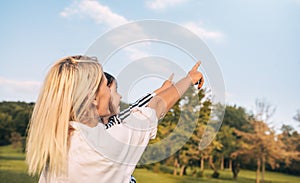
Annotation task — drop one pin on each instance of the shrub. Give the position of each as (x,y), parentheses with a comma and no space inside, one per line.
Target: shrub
(200,174)
(166,169)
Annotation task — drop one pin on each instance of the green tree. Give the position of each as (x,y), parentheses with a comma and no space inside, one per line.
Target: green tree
(5,128)
(236,117)
(188,119)
(228,140)
(190,106)
(14,117)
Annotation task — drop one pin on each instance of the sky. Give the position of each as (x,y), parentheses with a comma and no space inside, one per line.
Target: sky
(255,42)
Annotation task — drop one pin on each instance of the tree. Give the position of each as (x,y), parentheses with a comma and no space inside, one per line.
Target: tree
(228,140)
(290,138)
(263,110)
(287,130)
(204,117)
(16,139)
(190,117)
(190,112)
(265,146)
(179,126)
(214,148)
(235,167)
(262,143)
(297,116)
(14,117)
(5,128)
(234,118)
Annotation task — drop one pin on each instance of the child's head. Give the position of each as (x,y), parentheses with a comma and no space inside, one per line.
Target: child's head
(115,96)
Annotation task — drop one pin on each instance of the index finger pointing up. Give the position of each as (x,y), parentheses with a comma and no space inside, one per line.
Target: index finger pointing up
(171,77)
(196,65)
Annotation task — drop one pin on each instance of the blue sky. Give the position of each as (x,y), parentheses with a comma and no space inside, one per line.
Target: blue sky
(256,43)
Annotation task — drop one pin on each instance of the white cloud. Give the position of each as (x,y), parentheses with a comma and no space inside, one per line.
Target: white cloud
(18,90)
(68,12)
(163,4)
(93,9)
(103,15)
(202,32)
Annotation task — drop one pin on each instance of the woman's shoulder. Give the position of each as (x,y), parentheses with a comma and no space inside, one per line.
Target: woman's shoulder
(86,130)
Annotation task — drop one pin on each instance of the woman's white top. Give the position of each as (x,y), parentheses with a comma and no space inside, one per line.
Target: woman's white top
(109,155)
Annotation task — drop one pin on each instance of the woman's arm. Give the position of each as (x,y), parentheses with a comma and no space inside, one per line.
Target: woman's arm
(164,100)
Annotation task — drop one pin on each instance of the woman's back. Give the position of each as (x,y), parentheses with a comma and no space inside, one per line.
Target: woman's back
(100,155)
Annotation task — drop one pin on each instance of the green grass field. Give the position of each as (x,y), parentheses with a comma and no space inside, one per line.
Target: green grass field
(245,176)
(12,166)
(13,170)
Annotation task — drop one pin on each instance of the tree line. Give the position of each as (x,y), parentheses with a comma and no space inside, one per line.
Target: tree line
(14,118)
(244,140)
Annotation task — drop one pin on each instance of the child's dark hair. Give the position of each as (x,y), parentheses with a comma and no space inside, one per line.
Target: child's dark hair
(109,78)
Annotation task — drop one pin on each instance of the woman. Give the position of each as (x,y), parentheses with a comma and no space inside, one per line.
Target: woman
(68,144)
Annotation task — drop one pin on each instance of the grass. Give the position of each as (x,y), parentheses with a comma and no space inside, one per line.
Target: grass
(13,170)
(13,167)
(245,176)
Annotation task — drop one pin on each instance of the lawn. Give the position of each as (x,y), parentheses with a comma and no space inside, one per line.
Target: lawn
(13,167)
(13,170)
(245,176)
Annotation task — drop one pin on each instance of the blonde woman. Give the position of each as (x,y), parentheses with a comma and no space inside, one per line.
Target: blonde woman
(66,143)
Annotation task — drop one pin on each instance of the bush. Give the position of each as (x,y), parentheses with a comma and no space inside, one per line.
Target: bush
(147,166)
(166,169)
(200,174)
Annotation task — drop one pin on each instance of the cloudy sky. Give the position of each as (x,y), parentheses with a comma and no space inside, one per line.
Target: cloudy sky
(255,42)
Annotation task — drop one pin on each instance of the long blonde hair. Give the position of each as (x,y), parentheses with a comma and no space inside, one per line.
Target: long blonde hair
(67,95)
